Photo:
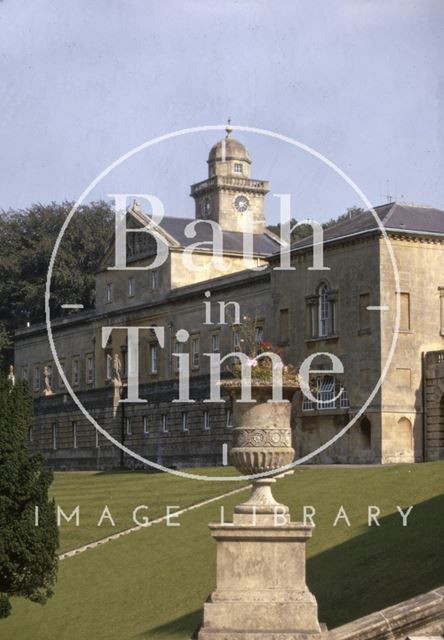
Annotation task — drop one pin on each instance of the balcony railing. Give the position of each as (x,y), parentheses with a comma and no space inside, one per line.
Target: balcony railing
(229,181)
(435,357)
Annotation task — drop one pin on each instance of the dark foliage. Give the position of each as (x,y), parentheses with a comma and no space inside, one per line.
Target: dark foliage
(27,239)
(305,230)
(28,560)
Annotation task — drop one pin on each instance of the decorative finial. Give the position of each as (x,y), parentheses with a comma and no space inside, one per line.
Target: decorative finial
(136,208)
(229,128)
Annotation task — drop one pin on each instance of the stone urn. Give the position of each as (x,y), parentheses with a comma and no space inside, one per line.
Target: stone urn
(261,440)
(261,591)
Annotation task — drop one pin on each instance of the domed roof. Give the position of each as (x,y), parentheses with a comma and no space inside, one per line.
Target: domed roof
(234,150)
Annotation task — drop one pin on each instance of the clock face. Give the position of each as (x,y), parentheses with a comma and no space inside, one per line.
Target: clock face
(241,203)
(207,206)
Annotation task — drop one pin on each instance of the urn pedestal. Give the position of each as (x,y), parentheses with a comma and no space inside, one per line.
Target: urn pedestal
(261,593)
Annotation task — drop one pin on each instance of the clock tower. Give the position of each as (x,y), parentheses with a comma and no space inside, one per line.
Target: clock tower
(229,196)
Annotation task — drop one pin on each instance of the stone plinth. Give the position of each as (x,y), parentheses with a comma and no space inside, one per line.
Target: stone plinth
(261,592)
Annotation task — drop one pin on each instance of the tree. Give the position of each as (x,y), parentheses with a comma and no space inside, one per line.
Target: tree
(305,230)
(351,212)
(5,347)
(27,239)
(28,560)
(297,233)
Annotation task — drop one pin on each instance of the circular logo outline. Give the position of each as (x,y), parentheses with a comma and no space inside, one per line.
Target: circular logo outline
(169,136)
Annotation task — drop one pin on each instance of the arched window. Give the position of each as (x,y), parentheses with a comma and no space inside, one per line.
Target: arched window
(321,312)
(404,436)
(366,432)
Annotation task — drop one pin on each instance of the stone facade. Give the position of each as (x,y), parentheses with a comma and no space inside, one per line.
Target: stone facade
(434,406)
(304,311)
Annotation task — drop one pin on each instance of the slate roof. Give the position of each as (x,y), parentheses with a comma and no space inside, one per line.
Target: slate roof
(395,216)
(263,244)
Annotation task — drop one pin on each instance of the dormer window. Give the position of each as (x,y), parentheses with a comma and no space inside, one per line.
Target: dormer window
(238,167)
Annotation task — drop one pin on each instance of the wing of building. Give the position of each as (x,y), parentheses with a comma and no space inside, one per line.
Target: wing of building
(348,309)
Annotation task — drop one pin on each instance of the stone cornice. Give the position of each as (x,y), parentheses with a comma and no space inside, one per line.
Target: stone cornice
(188,292)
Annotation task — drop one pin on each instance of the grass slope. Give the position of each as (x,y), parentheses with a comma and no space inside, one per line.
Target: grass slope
(122,492)
(151,584)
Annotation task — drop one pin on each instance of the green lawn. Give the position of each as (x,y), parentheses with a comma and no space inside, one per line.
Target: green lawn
(151,584)
(122,492)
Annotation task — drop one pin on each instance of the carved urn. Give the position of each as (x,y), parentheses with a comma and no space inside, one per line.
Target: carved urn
(261,440)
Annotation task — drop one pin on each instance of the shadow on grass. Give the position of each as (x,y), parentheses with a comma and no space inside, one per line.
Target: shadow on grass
(184,627)
(379,568)
(383,566)
(116,472)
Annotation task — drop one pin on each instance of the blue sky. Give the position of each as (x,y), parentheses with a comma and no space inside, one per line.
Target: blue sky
(360,81)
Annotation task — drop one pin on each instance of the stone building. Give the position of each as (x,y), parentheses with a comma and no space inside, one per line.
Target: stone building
(348,309)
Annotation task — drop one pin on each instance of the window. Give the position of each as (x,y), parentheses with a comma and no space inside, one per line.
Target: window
(24,373)
(215,343)
(206,420)
(364,313)
(283,325)
(404,324)
(74,434)
(30,434)
(153,358)
(154,279)
(307,404)
(89,369)
(195,352)
(109,292)
(229,419)
(327,389)
(36,378)
(236,340)
(326,393)
(146,425)
(128,426)
(322,313)
(54,435)
(344,402)
(164,423)
(109,365)
(185,421)
(131,287)
(238,168)
(97,439)
(178,348)
(75,371)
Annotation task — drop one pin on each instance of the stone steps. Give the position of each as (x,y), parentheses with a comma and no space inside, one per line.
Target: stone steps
(415,619)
